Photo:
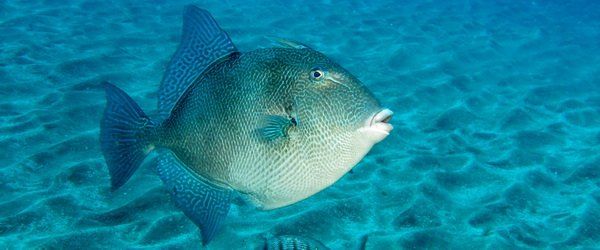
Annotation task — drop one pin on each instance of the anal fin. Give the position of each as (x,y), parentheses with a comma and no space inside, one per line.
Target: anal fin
(204,203)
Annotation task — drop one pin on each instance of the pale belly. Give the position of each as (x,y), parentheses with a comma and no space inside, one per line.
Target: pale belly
(270,180)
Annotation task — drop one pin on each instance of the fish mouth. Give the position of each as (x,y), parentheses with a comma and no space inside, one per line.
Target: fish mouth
(380,121)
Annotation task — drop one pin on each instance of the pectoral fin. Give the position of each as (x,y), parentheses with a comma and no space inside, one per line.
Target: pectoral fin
(204,203)
(274,127)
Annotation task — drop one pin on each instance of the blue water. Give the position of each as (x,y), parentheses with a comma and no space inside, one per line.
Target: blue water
(496,142)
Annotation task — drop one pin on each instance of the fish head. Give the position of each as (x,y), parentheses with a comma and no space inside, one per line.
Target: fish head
(315,122)
(335,111)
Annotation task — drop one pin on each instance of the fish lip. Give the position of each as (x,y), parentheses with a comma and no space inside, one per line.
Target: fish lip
(380,121)
(383,116)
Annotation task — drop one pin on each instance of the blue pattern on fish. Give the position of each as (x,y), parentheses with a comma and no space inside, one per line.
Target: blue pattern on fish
(273,125)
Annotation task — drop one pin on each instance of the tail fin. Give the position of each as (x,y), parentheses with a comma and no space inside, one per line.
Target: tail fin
(124,133)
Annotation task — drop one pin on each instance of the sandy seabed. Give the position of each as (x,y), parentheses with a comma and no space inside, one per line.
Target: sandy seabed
(496,142)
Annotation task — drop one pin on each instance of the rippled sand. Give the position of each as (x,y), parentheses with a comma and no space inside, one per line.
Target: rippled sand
(497,139)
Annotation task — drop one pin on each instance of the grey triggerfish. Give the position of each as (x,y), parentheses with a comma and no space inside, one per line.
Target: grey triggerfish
(273,125)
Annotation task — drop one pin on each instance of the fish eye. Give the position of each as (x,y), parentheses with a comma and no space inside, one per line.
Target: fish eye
(317,73)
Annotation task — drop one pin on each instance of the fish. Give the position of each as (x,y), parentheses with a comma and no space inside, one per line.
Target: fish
(273,125)
(291,242)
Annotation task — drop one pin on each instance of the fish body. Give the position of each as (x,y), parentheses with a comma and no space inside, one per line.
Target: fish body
(215,128)
(274,125)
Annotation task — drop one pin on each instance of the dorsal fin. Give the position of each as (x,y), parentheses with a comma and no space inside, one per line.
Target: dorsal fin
(202,43)
(286,43)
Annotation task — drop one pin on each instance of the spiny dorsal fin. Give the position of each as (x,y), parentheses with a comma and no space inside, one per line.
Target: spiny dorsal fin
(287,43)
(202,43)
